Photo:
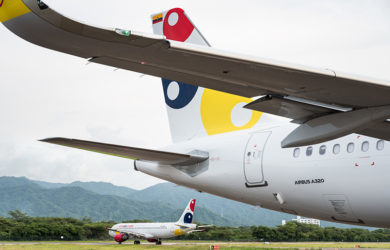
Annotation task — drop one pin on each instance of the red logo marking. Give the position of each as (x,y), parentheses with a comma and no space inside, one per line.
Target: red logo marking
(356,165)
(215,158)
(192,205)
(373,164)
(1,3)
(182,30)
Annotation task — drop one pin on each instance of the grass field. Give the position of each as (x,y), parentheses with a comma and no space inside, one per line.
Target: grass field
(176,245)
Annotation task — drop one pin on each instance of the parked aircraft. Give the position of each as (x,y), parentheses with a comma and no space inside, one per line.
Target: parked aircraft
(329,161)
(154,232)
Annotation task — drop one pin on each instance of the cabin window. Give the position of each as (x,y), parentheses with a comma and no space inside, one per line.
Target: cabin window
(365,146)
(380,145)
(351,147)
(336,149)
(322,150)
(309,151)
(297,152)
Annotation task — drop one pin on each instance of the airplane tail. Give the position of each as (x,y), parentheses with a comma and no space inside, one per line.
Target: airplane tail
(188,214)
(194,111)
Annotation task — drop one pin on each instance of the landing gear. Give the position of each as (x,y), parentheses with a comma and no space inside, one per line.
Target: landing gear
(137,242)
(158,242)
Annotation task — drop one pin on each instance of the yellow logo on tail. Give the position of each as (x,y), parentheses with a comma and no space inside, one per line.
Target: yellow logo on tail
(217,111)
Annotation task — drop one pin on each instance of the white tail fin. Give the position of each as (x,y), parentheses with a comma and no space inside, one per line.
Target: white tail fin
(194,111)
(175,25)
(188,213)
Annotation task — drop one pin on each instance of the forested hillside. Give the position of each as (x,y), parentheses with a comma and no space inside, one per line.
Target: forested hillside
(105,201)
(76,202)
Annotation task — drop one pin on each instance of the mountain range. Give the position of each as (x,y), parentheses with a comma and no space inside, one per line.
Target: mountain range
(102,201)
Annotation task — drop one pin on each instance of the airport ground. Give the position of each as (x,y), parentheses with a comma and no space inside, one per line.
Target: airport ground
(186,245)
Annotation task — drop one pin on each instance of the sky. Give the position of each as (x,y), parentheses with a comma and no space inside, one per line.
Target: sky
(44,93)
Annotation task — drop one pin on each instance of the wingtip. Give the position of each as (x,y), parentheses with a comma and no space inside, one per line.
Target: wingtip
(50,139)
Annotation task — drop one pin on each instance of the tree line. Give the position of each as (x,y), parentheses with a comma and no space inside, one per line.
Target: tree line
(292,232)
(20,227)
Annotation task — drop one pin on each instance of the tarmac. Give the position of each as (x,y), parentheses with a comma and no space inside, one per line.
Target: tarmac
(169,243)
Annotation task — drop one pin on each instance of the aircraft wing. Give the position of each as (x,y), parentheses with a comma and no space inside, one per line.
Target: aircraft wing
(300,93)
(162,157)
(131,234)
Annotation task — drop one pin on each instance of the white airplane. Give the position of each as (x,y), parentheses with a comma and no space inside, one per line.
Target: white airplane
(330,161)
(154,232)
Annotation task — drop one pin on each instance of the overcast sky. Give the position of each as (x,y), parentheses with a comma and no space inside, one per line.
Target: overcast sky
(48,94)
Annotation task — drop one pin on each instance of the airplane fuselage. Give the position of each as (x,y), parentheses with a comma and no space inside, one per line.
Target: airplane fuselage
(344,180)
(153,231)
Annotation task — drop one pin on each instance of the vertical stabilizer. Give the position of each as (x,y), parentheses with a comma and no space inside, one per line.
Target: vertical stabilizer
(175,25)
(188,213)
(194,111)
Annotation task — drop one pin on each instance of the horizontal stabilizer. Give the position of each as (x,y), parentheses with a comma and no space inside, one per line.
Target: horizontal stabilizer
(205,226)
(161,157)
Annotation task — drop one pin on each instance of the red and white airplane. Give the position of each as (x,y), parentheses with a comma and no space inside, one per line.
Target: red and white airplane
(329,161)
(154,232)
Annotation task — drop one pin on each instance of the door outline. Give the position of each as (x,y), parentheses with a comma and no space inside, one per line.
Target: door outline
(263,182)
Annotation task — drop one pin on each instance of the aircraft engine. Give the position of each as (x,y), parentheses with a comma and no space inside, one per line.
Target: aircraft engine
(121,237)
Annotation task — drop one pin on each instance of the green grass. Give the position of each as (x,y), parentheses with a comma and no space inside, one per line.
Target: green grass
(177,245)
(100,247)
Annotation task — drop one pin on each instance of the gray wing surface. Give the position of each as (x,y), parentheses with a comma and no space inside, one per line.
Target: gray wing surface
(296,92)
(130,233)
(162,157)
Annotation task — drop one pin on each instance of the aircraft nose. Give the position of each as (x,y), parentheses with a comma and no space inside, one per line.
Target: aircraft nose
(111,233)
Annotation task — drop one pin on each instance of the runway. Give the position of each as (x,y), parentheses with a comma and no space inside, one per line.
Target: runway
(190,245)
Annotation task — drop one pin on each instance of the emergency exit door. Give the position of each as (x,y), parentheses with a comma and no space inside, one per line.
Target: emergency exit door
(253,160)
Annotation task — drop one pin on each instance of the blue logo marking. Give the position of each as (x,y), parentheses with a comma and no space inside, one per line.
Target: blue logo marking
(186,94)
(188,218)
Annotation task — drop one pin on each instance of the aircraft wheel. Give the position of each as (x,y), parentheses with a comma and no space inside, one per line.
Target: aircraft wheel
(137,242)
(158,242)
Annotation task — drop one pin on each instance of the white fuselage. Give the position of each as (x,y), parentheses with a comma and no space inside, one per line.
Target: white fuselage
(152,230)
(335,185)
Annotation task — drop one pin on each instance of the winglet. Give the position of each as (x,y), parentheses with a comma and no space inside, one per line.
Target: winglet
(10,9)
